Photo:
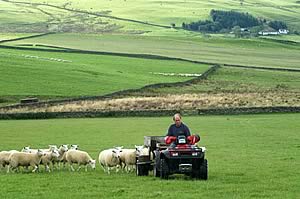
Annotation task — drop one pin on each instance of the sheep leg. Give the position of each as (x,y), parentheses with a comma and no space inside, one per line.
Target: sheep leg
(103,167)
(8,167)
(79,167)
(47,168)
(117,168)
(35,168)
(26,168)
(71,166)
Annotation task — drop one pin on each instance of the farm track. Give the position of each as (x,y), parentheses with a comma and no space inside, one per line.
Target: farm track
(86,12)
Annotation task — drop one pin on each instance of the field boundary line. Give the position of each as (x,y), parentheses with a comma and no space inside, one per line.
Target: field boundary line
(27,37)
(150,113)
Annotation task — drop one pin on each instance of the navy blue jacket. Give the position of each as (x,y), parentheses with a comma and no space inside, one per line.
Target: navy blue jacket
(176,131)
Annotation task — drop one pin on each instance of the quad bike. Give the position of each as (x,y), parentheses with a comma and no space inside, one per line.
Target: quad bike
(178,155)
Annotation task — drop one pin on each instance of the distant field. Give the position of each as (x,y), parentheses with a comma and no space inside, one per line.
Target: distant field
(254,52)
(68,15)
(238,80)
(250,156)
(51,75)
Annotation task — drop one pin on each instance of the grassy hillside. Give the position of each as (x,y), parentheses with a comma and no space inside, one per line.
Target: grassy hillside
(50,75)
(57,13)
(239,80)
(220,50)
(227,87)
(250,156)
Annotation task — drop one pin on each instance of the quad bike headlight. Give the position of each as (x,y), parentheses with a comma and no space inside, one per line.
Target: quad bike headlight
(174,154)
(195,154)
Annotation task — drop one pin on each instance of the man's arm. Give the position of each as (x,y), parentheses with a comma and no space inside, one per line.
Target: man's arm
(170,132)
(187,131)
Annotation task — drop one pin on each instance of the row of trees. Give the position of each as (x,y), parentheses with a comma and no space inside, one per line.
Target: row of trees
(226,20)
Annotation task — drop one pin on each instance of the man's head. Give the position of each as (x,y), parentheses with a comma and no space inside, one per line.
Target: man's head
(177,119)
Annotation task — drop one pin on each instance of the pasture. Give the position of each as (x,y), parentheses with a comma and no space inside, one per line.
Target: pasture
(221,50)
(56,75)
(250,156)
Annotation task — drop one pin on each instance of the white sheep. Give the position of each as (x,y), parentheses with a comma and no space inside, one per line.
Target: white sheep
(62,156)
(4,158)
(128,159)
(17,159)
(81,158)
(142,150)
(110,158)
(27,149)
(74,147)
(47,159)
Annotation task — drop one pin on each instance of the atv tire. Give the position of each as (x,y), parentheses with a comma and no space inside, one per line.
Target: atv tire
(164,169)
(203,171)
(156,172)
(141,170)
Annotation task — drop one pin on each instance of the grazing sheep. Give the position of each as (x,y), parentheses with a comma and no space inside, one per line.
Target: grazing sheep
(74,147)
(49,157)
(4,158)
(142,150)
(27,149)
(110,158)
(81,158)
(25,159)
(128,158)
(62,156)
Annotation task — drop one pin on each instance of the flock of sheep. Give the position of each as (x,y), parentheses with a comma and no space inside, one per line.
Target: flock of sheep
(54,156)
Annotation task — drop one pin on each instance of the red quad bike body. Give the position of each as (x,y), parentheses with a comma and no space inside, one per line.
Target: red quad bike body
(174,155)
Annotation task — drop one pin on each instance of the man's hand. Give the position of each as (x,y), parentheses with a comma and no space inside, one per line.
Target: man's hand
(193,139)
(170,139)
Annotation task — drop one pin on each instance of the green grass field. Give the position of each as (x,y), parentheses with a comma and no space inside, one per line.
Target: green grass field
(51,75)
(250,156)
(253,52)
(240,80)
(156,12)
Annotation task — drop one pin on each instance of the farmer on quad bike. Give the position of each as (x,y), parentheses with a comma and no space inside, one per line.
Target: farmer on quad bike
(179,129)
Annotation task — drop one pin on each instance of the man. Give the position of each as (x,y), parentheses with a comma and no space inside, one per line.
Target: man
(178,128)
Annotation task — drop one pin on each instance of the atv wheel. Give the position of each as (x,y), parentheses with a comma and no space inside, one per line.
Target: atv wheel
(203,172)
(156,172)
(141,170)
(164,169)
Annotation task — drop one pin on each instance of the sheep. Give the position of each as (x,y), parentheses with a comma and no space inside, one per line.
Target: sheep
(142,150)
(110,158)
(48,158)
(128,158)
(62,156)
(81,158)
(27,149)
(4,158)
(74,147)
(17,159)
(63,149)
